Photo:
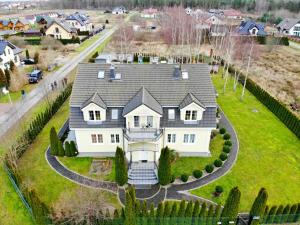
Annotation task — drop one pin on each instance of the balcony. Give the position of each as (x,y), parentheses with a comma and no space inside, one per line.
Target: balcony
(142,134)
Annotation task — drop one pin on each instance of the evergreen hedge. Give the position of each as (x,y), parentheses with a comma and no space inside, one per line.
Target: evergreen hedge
(275,106)
(197,173)
(120,167)
(184,177)
(209,168)
(164,166)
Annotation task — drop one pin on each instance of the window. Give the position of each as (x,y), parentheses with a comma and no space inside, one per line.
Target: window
(91,114)
(187,115)
(56,30)
(94,138)
(149,121)
(190,115)
(114,114)
(171,114)
(100,138)
(189,138)
(171,138)
(194,115)
(115,138)
(97,113)
(136,121)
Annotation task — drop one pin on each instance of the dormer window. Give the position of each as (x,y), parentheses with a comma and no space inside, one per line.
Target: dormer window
(114,114)
(94,115)
(171,114)
(91,114)
(190,115)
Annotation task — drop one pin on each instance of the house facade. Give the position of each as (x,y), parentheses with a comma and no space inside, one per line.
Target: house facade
(60,30)
(289,27)
(8,52)
(80,22)
(251,28)
(142,108)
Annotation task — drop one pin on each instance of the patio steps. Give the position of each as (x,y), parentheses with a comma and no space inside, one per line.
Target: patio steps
(142,174)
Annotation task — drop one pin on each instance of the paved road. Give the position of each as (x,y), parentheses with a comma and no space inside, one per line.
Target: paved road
(11,117)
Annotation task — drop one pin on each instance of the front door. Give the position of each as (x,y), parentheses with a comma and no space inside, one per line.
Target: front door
(143,156)
(149,121)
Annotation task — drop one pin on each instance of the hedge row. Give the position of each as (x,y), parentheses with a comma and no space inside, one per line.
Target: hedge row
(276,107)
(70,41)
(272,40)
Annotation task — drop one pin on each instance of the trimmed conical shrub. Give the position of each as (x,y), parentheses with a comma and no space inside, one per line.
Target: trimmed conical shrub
(73,148)
(129,210)
(60,149)
(120,167)
(164,167)
(231,207)
(258,206)
(53,141)
(68,149)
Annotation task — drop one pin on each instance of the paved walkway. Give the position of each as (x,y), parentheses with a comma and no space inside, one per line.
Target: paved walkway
(11,117)
(156,194)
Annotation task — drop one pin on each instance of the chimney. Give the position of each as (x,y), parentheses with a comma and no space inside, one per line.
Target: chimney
(177,72)
(112,72)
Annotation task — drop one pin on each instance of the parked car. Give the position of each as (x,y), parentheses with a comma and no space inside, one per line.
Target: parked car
(28,61)
(35,76)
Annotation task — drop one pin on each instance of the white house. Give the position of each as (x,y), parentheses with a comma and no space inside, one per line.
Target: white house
(142,108)
(8,52)
(149,13)
(80,22)
(289,27)
(119,10)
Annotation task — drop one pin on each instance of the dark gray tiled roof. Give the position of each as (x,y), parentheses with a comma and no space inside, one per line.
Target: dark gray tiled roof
(76,119)
(95,98)
(143,97)
(208,119)
(288,23)
(190,98)
(157,79)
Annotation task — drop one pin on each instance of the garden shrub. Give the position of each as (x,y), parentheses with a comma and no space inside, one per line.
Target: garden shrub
(226,149)
(209,168)
(68,149)
(73,149)
(173,178)
(219,189)
(218,163)
(222,130)
(223,156)
(121,167)
(164,167)
(60,149)
(228,143)
(184,177)
(226,136)
(197,173)
(53,141)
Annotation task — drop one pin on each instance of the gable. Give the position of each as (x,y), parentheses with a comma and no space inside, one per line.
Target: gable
(143,110)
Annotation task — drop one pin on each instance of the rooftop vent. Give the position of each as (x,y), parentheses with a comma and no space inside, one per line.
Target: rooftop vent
(176,73)
(185,75)
(112,73)
(101,74)
(118,76)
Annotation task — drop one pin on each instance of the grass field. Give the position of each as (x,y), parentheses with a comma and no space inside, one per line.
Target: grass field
(82,166)
(189,164)
(269,153)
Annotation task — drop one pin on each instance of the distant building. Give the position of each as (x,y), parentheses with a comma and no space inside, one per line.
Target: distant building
(232,14)
(188,11)
(8,52)
(119,10)
(149,13)
(250,27)
(31,19)
(60,30)
(14,24)
(289,26)
(80,22)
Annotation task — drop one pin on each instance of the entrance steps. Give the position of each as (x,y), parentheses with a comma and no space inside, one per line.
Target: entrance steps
(142,173)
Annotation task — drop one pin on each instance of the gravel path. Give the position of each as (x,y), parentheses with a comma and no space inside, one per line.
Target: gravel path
(155,194)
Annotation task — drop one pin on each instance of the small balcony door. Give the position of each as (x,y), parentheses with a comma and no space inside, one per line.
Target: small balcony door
(149,121)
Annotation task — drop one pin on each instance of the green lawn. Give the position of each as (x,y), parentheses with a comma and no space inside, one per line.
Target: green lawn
(189,164)
(88,42)
(82,166)
(36,172)
(269,153)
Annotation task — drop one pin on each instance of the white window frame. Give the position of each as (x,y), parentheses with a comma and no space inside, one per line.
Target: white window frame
(93,115)
(190,117)
(171,138)
(114,114)
(97,139)
(171,114)
(114,138)
(189,138)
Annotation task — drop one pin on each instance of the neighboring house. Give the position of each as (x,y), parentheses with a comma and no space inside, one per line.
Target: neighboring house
(119,10)
(8,52)
(188,11)
(21,25)
(149,13)
(32,33)
(43,20)
(60,30)
(79,22)
(250,27)
(142,108)
(232,14)
(289,26)
(6,25)
(31,19)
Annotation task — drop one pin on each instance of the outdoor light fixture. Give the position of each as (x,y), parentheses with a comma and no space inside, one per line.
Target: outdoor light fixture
(231,222)
(256,217)
(219,223)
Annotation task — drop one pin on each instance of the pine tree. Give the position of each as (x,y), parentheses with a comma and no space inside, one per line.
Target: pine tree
(167,212)
(217,214)
(159,213)
(120,167)
(210,215)
(271,214)
(164,167)
(188,213)
(151,218)
(231,207)
(265,216)
(258,206)
(144,213)
(27,54)
(67,149)
(181,211)
(7,77)
(129,210)
(60,149)
(278,215)
(196,211)
(202,214)
(137,211)
(53,141)
(286,212)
